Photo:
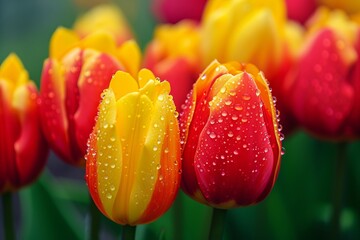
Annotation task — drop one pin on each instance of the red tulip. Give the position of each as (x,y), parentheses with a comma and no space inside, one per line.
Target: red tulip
(23,149)
(231,144)
(300,10)
(324,84)
(173,11)
(73,77)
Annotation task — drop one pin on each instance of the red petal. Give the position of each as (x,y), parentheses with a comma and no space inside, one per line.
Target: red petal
(322,97)
(234,160)
(9,132)
(95,76)
(31,147)
(52,110)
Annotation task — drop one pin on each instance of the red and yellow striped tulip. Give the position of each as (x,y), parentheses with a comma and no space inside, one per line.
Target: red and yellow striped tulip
(73,77)
(133,160)
(23,149)
(173,55)
(231,144)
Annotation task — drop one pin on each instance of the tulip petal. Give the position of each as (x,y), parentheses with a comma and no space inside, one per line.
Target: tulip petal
(53,113)
(321,98)
(61,42)
(234,125)
(109,154)
(133,121)
(118,86)
(10,128)
(31,147)
(170,165)
(129,55)
(243,47)
(95,75)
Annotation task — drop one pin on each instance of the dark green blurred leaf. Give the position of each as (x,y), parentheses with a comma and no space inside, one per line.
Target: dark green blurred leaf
(46,217)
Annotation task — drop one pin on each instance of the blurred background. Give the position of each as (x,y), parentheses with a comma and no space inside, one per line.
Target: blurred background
(55,207)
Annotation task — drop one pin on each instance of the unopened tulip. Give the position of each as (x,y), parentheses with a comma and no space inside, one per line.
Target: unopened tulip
(73,77)
(107,18)
(23,149)
(324,85)
(231,145)
(173,55)
(133,158)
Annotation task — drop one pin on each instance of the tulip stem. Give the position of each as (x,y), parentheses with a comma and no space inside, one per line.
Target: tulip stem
(8,216)
(128,232)
(338,189)
(217,224)
(94,221)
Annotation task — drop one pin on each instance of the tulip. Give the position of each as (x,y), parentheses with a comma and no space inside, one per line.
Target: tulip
(300,10)
(180,64)
(107,18)
(231,145)
(73,77)
(133,160)
(323,86)
(173,11)
(349,6)
(22,146)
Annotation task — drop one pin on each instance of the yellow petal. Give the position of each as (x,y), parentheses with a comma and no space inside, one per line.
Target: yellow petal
(13,71)
(133,121)
(123,83)
(144,76)
(255,40)
(109,153)
(101,41)
(129,55)
(61,42)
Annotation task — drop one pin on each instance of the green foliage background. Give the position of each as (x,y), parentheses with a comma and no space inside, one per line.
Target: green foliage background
(55,207)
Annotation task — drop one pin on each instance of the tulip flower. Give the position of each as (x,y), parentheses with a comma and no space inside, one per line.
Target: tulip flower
(133,160)
(107,18)
(23,147)
(323,86)
(173,11)
(173,55)
(73,77)
(231,144)
(349,6)
(300,10)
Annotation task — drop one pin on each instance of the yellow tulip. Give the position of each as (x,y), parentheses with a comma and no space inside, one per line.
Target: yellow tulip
(133,160)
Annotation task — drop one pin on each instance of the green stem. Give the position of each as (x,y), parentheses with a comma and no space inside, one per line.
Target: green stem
(8,216)
(338,190)
(94,222)
(178,217)
(128,232)
(217,224)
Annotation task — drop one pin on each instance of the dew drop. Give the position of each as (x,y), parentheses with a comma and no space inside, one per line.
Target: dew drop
(246,97)
(155,148)
(230,134)
(212,135)
(228,102)
(223,174)
(238,107)
(160,97)
(108,195)
(112,188)
(223,90)
(158,166)
(236,152)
